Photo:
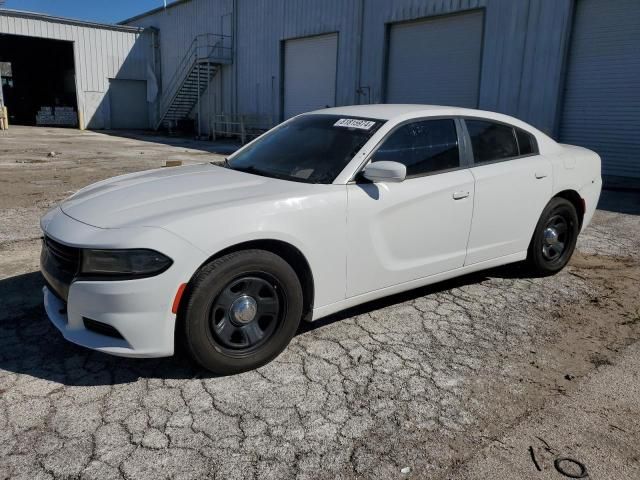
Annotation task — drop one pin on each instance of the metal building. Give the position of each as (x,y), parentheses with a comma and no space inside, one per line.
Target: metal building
(569,67)
(74,73)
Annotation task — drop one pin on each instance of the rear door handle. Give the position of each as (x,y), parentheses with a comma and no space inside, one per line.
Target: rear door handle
(540,175)
(460,195)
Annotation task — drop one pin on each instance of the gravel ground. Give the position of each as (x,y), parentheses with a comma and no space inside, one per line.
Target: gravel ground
(414,386)
(41,166)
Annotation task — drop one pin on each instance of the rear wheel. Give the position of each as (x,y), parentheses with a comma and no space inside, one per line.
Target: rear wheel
(243,310)
(554,239)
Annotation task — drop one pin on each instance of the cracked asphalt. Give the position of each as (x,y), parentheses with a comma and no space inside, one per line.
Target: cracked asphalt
(417,383)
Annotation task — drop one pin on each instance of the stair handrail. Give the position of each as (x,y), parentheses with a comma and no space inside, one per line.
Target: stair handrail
(213,43)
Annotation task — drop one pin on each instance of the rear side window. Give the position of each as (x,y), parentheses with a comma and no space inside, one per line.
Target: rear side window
(491,141)
(424,147)
(526,142)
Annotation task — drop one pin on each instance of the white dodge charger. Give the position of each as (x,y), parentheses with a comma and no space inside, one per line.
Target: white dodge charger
(328,210)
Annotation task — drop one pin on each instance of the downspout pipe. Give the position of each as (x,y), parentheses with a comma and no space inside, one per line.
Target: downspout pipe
(359,31)
(234,39)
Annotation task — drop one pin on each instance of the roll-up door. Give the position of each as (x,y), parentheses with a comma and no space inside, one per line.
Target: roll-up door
(436,61)
(601,109)
(310,65)
(128,102)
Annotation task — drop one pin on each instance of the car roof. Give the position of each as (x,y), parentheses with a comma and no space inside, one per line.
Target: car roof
(402,112)
(399,111)
(379,111)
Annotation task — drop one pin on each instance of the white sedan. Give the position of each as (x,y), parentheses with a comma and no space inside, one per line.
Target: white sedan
(328,210)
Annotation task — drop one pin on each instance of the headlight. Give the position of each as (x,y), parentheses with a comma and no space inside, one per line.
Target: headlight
(133,263)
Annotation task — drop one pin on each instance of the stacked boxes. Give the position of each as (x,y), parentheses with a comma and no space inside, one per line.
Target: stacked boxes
(57,116)
(45,116)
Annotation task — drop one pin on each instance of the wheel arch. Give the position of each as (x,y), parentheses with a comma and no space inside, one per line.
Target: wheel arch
(576,200)
(288,252)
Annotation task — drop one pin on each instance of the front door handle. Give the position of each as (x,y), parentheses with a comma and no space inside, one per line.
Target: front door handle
(460,195)
(540,175)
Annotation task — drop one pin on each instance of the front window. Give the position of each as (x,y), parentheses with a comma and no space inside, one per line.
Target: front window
(424,147)
(311,148)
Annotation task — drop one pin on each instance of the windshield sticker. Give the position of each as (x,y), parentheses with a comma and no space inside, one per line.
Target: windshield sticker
(354,123)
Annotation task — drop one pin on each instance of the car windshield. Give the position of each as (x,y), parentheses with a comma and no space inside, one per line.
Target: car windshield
(312,148)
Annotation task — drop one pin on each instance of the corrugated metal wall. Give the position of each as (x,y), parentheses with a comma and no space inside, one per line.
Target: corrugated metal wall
(178,26)
(523,49)
(99,54)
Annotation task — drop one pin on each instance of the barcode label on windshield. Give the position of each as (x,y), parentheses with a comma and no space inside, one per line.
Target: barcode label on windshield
(354,123)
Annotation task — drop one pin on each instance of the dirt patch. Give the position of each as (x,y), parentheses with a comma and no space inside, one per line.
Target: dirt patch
(40,167)
(579,337)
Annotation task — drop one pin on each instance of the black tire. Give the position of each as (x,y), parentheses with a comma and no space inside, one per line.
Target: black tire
(252,286)
(554,238)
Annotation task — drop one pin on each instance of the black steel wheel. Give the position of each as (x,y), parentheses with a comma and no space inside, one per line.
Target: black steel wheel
(555,237)
(242,311)
(247,312)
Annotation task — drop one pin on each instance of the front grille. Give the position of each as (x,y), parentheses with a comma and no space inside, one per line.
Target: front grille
(67,258)
(59,265)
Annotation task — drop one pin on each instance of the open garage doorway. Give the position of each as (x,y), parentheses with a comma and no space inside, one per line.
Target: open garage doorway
(38,81)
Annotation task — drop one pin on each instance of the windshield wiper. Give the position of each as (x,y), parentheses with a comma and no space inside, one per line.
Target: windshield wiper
(255,171)
(226,164)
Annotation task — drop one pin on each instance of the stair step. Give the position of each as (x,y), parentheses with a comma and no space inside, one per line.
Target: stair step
(181,106)
(194,83)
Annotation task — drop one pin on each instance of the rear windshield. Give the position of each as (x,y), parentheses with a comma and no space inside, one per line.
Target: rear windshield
(311,148)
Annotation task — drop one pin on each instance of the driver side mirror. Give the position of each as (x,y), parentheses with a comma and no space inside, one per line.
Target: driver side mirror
(385,171)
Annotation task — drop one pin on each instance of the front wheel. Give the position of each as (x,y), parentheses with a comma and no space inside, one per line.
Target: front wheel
(554,239)
(242,311)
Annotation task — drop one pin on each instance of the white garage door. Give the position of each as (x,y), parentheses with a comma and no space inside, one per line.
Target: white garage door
(310,73)
(602,94)
(436,61)
(128,102)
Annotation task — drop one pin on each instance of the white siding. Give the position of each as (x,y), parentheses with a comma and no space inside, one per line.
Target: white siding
(101,52)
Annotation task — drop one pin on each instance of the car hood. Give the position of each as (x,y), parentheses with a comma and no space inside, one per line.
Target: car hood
(154,197)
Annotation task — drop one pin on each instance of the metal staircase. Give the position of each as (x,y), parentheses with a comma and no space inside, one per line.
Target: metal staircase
(204,58)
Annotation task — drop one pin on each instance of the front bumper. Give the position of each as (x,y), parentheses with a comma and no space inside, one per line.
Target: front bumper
(140,314)
(139,310)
